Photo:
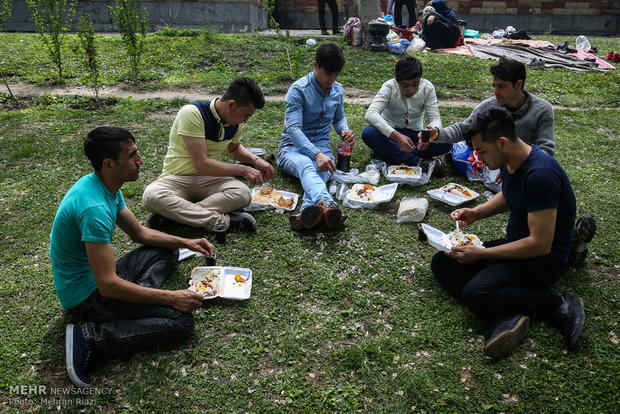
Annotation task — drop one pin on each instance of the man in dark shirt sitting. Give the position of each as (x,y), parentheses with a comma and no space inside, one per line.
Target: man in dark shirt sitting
(506,281)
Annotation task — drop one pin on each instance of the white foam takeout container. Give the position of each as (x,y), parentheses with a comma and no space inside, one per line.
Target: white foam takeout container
(451,199)
(416,176)
(438,239)
(226,286)
(381,194)
(267,206)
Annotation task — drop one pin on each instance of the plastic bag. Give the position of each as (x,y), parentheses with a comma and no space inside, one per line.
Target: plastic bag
(491,179)
(583,44)
(416,45)
(466,161)
(498,34)
(349,25)
(392,37)
(400,47)
(353,176)
(412,210)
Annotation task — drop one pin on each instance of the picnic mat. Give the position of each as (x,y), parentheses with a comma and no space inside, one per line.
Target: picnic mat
(526,50)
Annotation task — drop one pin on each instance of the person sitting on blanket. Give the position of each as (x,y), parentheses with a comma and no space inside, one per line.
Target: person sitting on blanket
(442,8)
(437,31)
(396,116)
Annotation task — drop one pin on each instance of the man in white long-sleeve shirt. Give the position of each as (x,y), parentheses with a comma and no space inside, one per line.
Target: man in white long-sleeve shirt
(396,116)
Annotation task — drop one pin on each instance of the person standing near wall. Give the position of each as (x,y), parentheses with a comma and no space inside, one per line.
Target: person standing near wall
(333,6)
(398,10)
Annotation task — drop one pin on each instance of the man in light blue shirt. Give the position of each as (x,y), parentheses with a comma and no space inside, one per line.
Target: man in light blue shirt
(314,104)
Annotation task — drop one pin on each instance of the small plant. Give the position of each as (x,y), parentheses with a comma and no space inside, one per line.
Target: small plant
(86,36)
(5,13)
(132,25)
(53,19)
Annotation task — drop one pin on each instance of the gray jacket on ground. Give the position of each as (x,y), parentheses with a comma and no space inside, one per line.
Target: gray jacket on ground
(533,123)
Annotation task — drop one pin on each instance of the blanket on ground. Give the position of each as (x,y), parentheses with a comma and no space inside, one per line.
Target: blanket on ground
(526,50)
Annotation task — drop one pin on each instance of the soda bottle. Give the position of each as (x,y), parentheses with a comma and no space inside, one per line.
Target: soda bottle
(344,157)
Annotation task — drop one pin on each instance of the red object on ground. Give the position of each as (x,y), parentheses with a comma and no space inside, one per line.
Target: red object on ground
(403,33)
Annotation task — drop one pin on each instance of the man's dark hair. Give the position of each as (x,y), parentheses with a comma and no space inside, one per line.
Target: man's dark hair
(105,142)
(491,125)
(244,91)
(509,70)
(408,68)
(329,56)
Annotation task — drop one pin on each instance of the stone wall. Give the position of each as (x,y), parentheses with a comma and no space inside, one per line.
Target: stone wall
(589,17)
(215,15)
(594,17)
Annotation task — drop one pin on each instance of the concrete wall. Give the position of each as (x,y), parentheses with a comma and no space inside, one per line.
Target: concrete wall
(220,16)
(593,17)
(589,17)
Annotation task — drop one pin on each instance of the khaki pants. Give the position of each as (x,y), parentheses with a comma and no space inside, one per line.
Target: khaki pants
(196,200)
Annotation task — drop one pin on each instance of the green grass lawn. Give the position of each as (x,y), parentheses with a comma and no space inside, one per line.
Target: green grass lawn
(347,321)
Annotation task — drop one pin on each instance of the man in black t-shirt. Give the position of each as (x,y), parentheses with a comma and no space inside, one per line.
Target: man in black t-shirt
(506,281)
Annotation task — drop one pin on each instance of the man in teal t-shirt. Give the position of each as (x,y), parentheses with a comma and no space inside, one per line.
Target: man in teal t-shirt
(120,303)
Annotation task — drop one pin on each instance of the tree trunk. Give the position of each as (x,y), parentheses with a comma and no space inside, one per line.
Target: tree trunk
(366,11)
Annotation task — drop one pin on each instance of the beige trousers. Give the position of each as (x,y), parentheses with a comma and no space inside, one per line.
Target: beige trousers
(196,200)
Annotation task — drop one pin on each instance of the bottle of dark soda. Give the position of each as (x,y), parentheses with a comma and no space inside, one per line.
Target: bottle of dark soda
(344,157)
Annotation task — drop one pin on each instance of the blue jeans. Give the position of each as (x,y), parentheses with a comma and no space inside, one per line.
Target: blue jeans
(501,288)
(388,149)
(294,163)
(119,329)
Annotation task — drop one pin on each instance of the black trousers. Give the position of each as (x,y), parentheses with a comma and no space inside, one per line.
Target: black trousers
(501,288)
(333,6)
(441,34)
(398,10)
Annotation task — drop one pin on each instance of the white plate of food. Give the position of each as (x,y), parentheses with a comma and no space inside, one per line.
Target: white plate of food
(453,194)
(223,282)
(367,195)
(268,197)
(444,242)
(399,171)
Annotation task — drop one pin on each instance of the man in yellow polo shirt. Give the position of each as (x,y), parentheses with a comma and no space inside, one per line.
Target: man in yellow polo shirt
(195,187)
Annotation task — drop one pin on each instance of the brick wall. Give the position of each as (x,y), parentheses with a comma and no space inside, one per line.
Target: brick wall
(521,7)
(537,7)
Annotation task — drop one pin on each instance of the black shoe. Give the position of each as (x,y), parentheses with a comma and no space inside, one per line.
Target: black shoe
(438,170)
(325,32)
(308,218)
(242,221)
(375,156)
(563,47)
(583,233)
(158,222)
(336,32)
(78,354)
(506,336)
(569,318)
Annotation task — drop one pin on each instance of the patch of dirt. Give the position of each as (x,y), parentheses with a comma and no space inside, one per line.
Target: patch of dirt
(28,91)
